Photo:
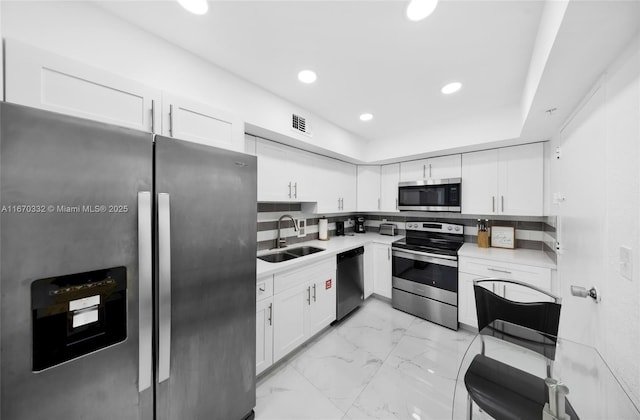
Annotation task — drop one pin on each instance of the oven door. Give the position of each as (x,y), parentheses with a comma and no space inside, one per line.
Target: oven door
(425,275)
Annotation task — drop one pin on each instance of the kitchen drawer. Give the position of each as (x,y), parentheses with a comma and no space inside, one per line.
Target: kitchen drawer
(536,276)
(264,287)
(289,279)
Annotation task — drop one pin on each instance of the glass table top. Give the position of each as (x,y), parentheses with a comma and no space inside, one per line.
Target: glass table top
(593,390)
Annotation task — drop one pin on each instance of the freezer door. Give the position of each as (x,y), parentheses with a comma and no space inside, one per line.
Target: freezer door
(206,203)
(69,198)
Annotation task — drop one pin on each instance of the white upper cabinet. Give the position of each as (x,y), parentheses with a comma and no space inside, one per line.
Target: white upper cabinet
(273,174)
(480,182)
(41,79)
(413,170)
(505,181)
(368,188)
(521,180)
(336,186)
(389,178)
(432,168)
(285,173)
(200,123)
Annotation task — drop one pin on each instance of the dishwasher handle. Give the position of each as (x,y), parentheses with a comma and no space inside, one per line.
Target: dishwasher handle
(350,254)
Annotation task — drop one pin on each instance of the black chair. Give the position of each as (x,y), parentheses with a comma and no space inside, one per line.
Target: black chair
(501,390)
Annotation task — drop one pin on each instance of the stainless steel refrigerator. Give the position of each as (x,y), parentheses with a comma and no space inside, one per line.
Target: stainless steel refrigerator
(127,273)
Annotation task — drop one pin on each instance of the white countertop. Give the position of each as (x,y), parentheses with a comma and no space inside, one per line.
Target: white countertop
(514,256)
(335,245)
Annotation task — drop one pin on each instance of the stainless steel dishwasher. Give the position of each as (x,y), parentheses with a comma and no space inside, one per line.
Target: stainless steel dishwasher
(350,282)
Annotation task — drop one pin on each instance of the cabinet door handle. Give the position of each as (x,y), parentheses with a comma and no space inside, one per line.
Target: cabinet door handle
(262,288)
(271,314)
(289,190)
(171,120)
(424,171)
(295,190)
(314,293)
(378,204)
(429,170)
(493,203)
(502,201)
(338,203)
(388,253)
(309,295)
(396,204)
(499,271)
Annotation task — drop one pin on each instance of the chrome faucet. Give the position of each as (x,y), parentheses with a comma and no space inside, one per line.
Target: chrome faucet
(282,242)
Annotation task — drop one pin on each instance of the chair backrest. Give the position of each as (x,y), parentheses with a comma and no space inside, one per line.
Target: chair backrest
(539,316)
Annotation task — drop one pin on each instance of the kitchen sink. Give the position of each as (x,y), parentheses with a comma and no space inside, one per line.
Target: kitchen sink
(289,254)
(277,257)
(304,250)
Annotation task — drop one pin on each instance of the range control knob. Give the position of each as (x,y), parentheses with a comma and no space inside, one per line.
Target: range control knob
(457,228)
(449,227)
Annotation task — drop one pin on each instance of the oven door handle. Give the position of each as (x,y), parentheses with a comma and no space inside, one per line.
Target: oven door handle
(419,256)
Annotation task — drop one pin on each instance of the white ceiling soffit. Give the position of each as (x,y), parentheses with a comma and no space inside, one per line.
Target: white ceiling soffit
(591,36)
(370,58)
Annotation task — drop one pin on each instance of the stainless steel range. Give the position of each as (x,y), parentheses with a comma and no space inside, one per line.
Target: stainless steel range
(425,272)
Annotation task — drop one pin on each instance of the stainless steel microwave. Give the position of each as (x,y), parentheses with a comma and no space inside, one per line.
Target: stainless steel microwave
(431,195)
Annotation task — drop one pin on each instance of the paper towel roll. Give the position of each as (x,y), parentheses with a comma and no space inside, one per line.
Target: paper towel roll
(323,230)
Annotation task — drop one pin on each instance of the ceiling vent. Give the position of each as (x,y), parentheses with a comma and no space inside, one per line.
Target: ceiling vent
(300,125)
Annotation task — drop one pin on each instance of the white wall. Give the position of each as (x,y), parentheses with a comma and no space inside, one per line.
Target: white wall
(89,34)
(488,129)
(599,175)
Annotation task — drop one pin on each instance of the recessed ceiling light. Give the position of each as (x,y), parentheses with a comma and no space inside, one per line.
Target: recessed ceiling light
(366,117)
(451,88)
(420,9)
(197,7)
(307,76)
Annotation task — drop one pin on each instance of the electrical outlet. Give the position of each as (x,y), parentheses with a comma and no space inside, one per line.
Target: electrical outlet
(558,153)
(558,248)
(302,228)
(626,262)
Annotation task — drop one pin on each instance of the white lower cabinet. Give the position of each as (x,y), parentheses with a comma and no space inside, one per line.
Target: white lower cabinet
(470,269)
(303,304)
(381,269)
(264,334)
(466,299)
(290,315)
(368,270)
(264,323)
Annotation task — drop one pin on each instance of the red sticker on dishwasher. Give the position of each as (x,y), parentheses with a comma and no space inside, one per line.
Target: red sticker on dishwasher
(327,284)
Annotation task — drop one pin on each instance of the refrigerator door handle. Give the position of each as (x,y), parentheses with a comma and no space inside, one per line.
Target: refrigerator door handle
(145,297)
(164,287)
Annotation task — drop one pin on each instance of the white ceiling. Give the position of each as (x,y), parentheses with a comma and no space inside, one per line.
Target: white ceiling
(370,58)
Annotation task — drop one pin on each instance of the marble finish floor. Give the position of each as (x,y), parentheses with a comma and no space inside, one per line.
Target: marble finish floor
(379,363)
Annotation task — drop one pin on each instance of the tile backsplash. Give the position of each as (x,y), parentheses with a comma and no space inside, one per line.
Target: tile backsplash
(537,233)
